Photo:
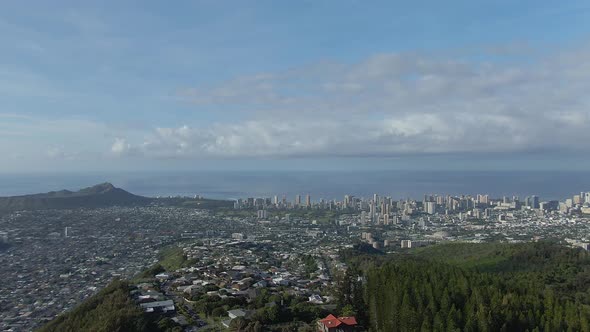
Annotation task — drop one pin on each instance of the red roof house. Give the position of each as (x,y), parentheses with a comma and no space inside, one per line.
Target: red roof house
(337,324)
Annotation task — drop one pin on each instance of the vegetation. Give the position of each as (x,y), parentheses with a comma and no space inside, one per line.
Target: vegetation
(149,273)
(269,309)
(170,259)
(310,265)
(360,251)
(112,302)
(110,310)
(173,258)
(473,287)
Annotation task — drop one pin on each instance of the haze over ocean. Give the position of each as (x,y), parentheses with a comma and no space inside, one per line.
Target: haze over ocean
(319,184)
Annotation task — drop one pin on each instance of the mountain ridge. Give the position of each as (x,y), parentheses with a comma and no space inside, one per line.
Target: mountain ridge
(100,195)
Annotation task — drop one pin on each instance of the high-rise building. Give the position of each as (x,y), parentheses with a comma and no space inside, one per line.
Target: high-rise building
(476,213)
(363,217)
(430,207)
(535,202)
(298,200)
(563,207)
(549,206)
(372,211)
(483,199)
(307,200)
(258,202)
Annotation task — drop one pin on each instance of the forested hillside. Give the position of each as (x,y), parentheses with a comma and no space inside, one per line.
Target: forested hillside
(480,287)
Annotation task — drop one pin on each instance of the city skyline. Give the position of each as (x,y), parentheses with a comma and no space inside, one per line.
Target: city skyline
(431,203)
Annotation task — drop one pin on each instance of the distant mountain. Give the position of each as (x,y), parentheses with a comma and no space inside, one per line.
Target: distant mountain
(101,195)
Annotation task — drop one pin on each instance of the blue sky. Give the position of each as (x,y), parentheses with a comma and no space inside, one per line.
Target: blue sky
(150,85)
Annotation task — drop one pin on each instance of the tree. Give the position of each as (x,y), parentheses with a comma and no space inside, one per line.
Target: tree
(218,312)
(238,325)
(271,314)
(348,311)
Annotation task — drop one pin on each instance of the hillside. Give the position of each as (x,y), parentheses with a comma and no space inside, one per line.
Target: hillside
(477,287)
(452,287)
(111,309)
(98,196)
(101,195)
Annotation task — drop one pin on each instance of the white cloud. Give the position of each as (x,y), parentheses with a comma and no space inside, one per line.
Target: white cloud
(121,148)
(392,104)
(59,153)
(55,152)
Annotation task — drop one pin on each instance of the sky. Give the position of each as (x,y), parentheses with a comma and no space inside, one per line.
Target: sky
(294,85)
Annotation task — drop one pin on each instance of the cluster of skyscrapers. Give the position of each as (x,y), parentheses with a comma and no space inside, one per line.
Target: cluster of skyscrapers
(384,210)
(261,203)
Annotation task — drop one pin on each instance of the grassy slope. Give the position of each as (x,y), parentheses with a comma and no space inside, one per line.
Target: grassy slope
(172,258)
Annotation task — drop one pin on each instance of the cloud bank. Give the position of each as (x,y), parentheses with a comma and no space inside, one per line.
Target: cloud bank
(387,105)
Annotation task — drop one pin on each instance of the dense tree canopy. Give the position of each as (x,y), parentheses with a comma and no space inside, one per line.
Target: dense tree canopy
(467,287)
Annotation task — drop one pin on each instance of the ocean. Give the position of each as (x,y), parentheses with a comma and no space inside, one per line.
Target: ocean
(324,184)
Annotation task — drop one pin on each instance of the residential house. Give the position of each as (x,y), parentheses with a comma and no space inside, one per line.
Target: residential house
(337,324)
